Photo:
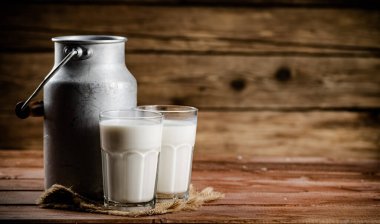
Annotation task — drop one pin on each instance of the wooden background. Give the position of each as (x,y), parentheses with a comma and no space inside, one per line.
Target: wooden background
(290,78)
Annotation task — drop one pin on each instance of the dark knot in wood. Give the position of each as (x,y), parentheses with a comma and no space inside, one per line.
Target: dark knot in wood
(238,84)
(283,74)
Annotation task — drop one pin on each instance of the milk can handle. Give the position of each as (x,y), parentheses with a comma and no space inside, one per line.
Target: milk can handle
(22,108)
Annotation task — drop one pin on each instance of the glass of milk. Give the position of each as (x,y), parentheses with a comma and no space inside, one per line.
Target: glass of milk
(130,147)
(178,139)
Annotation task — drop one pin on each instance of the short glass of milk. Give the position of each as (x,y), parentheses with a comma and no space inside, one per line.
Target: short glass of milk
(130,148)
(178,139)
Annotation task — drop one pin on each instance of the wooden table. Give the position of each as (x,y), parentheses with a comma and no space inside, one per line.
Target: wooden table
(266,189)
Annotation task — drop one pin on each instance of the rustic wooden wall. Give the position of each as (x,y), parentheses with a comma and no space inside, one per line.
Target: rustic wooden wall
(270,77)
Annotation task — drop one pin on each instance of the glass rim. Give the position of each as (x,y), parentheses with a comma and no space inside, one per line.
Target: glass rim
(155,108)
(155,115)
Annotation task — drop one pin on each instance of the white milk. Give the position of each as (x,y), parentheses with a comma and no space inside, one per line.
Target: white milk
(174,171)
(130,151)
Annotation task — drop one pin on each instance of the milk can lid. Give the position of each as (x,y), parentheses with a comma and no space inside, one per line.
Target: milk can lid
(89,39)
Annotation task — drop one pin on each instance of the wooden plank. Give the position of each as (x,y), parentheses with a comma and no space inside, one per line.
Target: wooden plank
(269,181)
(19,153)
(262,177)
(235,193)
(290,180)
(21,184)
(20,173)
(27,134)
(259,165)
(252,184)
(34,214)
(220,214)
(261,189)
(368,168)
(214,82)
(20,158)
(244,197)
(279,214)
(324,134)
(210,157)
(339,135)
(19,197)
(21,162)
(198,29)
(286,182)
(257,82)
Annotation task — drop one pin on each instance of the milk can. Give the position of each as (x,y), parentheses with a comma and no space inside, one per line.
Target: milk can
(89,76)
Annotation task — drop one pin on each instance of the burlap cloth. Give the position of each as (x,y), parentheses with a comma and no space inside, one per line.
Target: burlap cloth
(60,197)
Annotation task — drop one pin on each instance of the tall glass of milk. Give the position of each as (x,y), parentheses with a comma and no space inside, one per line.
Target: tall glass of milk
(178,139)
(130,147)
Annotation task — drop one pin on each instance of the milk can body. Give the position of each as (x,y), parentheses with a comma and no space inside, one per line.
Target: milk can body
(73,99)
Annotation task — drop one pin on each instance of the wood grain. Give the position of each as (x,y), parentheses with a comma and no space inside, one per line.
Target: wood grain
(20,184)
(198,29)
(293,79)
(9,173)
(217,214)
(33,214)
(328,134)
(242,188)
(258,133)
(216,58)
(291,190)
(247,198)
(215,82)
(256,82)
(254,182)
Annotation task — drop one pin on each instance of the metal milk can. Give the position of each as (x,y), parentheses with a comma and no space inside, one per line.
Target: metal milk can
(89,76)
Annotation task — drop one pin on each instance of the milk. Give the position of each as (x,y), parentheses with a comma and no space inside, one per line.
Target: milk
(174,171)
(130,150)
